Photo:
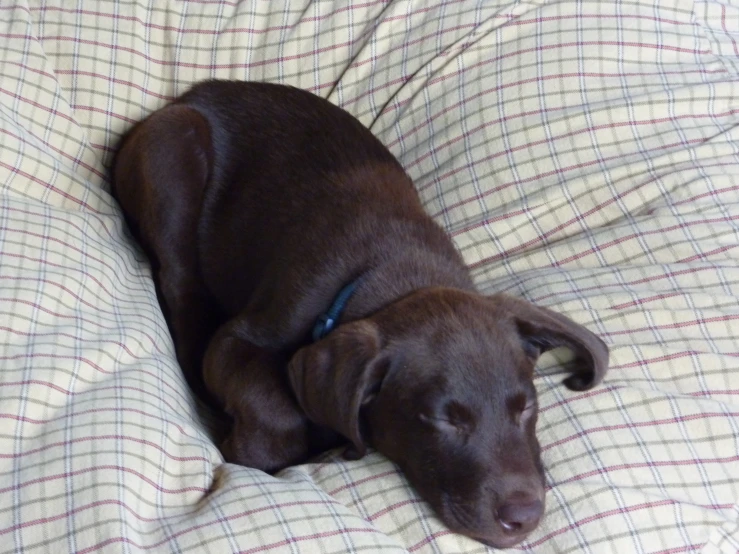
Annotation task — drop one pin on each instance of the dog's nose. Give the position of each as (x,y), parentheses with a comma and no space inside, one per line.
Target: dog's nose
(520,515)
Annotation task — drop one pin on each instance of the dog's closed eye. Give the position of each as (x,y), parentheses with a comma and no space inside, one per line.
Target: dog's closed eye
(452,417)
(522,407)
(525,415)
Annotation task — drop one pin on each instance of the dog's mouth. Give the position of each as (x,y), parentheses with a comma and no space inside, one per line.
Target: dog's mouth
(490,530)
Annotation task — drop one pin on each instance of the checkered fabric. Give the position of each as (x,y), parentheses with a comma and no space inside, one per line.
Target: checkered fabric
(582,154)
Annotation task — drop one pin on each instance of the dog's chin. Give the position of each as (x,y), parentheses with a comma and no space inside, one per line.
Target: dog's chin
(501,542)
(496,538)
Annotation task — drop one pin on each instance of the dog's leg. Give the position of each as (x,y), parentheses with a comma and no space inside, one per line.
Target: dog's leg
(160,174)
(270,430)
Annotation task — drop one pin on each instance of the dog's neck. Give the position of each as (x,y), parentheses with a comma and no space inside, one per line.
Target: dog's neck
(386,269)
(330,318)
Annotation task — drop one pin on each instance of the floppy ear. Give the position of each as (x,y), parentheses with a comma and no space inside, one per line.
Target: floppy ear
(333,378)
(542,329)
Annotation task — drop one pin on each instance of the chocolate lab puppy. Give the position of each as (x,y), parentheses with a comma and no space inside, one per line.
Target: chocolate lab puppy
(312,300)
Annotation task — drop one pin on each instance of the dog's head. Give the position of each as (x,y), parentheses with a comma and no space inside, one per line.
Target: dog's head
(441,383)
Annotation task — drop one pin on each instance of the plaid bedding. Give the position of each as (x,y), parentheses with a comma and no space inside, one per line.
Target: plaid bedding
(582,154)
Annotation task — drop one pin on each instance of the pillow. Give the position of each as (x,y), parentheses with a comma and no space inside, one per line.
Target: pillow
(581,154)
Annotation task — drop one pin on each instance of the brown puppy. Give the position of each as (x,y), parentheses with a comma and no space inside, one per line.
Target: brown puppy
(262,207)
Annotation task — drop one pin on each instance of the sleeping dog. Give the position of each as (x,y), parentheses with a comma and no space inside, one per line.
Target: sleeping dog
(314,302)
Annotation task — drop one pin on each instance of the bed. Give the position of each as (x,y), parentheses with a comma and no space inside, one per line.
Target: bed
(581,154)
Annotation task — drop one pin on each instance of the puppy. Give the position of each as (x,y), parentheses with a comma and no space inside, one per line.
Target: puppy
(312,300)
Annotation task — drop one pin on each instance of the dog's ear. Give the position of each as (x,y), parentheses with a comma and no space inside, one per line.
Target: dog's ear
(333,378)
(542,329)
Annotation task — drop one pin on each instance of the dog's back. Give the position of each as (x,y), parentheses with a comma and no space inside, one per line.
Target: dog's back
(301,190)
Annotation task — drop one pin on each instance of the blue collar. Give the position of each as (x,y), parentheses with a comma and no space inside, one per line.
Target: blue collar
(328,320)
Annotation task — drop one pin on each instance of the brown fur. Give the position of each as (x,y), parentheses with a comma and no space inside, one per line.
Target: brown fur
(257,203)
